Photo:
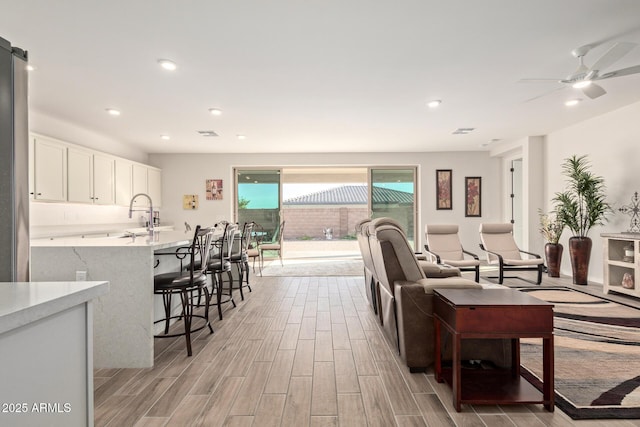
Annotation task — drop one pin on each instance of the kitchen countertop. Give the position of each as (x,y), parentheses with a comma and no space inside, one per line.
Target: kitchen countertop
(22,303)
(159,240)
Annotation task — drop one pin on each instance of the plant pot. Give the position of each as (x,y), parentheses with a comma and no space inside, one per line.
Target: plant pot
(553,254)
(580,252)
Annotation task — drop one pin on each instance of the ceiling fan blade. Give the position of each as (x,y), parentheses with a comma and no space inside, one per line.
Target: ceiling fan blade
(614,53)
(544,94)
(538,80)
(622,72)
(593,91)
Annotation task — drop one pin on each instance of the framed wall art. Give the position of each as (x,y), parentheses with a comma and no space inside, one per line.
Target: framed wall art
(190,201)
(443,189)
(214,189)
(473,196)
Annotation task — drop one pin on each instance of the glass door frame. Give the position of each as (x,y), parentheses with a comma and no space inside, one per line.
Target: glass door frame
(416,196)
(237,170)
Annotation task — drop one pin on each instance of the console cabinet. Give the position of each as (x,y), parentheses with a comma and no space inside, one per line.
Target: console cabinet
(621,263)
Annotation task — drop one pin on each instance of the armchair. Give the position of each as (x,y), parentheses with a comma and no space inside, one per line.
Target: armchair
(502,250)
(444,247)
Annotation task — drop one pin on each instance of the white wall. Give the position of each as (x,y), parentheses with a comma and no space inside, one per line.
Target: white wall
(612,142)
(186,174)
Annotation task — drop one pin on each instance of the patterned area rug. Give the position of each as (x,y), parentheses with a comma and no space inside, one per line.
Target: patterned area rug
(597,355)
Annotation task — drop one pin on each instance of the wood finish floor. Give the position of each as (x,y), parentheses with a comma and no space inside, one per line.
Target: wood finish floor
(299,351)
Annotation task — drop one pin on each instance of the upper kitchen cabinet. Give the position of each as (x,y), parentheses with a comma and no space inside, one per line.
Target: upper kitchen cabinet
(49,170)
(90,177)
(147,180)
(154,184)
(65,172)
(103,179)
(124,182)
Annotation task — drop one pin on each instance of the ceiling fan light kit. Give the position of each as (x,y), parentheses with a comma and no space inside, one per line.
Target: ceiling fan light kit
(583,77)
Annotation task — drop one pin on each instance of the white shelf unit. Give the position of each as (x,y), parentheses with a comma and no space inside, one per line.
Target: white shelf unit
(616,265)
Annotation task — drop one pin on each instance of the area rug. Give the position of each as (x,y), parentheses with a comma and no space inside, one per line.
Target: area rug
(304,267)
(597,355)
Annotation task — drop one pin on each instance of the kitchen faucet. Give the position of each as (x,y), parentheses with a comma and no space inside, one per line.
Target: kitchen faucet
(150,221)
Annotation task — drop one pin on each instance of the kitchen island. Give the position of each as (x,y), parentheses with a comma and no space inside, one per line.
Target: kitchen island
(123,319)
(46,352)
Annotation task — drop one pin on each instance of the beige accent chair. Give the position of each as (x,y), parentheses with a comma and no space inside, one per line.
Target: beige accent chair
(443,247)
(502,250)
(274,245)
(406,303)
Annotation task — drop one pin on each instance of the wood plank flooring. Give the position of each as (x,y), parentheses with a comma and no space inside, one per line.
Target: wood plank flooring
(299,351)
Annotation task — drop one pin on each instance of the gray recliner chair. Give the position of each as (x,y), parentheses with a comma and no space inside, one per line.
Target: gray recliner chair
(370,281)
(406,303)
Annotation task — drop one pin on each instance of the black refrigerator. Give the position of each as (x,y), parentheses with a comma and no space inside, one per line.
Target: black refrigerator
(14,165)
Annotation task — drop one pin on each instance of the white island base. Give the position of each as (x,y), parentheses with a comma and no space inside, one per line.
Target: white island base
(123,319)
(46,353)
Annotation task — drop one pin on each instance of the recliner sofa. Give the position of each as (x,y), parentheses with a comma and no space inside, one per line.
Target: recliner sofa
(406,302)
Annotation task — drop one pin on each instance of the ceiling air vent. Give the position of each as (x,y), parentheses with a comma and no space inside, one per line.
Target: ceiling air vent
(207,133)
(462,131)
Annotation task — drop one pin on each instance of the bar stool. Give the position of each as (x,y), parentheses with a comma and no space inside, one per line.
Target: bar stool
(219,263)
(240,256)
(185,284)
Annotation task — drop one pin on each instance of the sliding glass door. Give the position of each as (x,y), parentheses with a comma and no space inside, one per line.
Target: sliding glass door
(392,194)
(258,199)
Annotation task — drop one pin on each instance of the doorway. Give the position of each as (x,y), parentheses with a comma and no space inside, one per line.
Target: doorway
(322,204)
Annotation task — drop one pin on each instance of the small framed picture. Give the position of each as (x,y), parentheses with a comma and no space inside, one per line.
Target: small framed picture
(214,189)
(443,189)
(473,196)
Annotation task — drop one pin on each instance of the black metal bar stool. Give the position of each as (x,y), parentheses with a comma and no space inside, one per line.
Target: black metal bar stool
(240,257)
(219,263)
(185,284)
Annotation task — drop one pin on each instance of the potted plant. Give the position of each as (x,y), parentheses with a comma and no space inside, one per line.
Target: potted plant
(580,207)
(551,228)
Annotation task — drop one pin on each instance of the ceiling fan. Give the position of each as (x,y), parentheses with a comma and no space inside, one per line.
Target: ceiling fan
(584,77)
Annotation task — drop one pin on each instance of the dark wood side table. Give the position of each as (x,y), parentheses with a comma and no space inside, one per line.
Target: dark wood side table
(493,313)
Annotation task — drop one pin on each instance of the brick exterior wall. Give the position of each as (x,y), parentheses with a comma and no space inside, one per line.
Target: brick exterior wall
(309,222)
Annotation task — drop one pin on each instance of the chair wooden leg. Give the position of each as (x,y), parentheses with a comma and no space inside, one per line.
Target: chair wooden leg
(477,274)
(539,274)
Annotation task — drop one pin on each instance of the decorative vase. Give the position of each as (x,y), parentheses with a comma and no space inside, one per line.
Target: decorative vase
(553,254)
(580,252)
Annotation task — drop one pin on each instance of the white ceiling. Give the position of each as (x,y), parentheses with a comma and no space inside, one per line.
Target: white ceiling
(317,76)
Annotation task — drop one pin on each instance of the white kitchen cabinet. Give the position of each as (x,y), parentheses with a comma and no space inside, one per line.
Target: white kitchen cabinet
(90,177)
(64,172)
(123,181)
(49,170)
(103,179)
(79,175)
(147,180)
(140,184)
(154,184)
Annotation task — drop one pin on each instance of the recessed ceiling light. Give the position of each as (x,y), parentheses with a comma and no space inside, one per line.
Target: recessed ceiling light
(582,84)
(215,111)
(572,102)
(433,104)
(165,137)
(113,111)
(241,136)
(30,68)
(167,64)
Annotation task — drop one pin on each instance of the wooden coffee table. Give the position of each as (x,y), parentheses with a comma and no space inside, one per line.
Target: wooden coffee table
(493,313)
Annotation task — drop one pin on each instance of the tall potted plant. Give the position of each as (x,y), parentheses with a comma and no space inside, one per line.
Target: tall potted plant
(551,228)
(580,207)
